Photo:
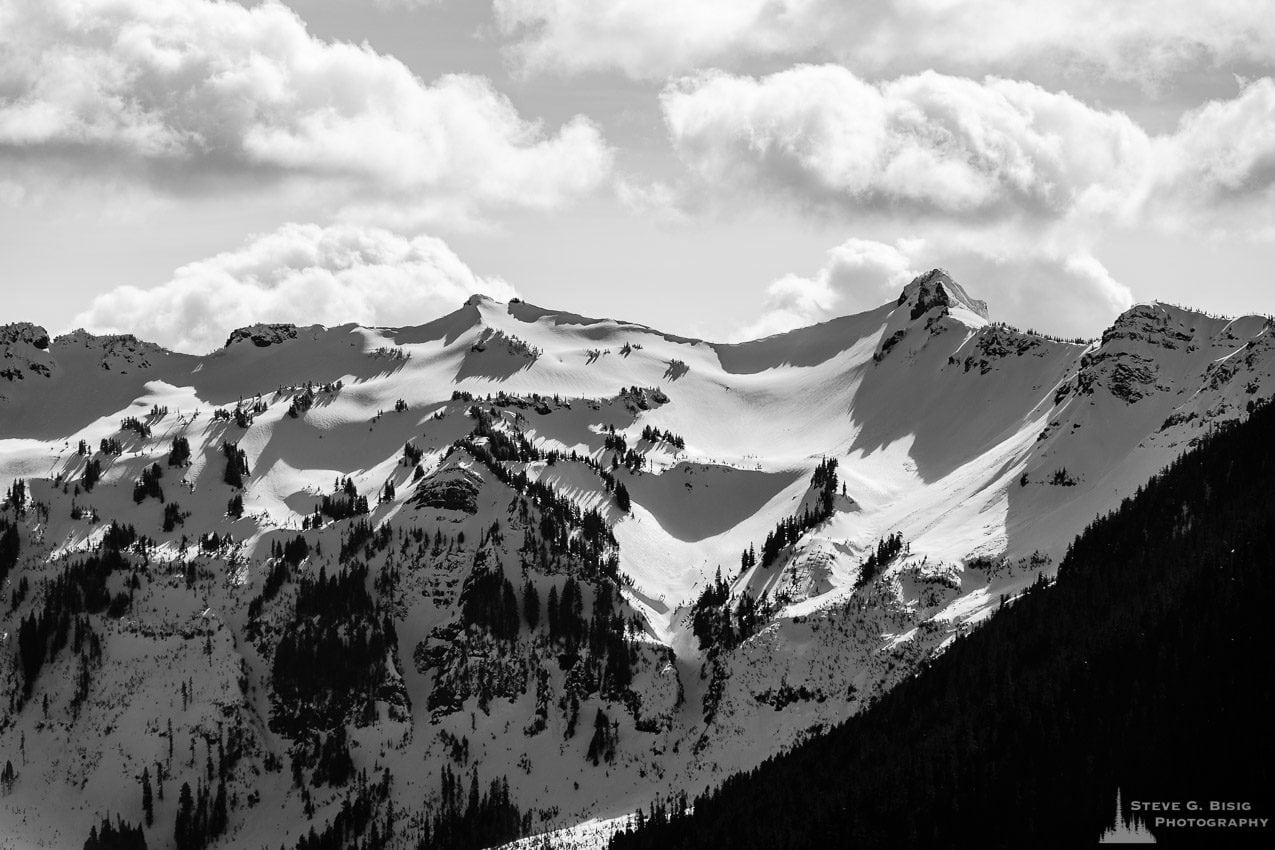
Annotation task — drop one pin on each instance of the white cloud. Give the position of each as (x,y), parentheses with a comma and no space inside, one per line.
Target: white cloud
(926,144)
(1141,40)
(304,274)
(857,274)
(1021,285)
(1218,169)
(406,4)
(968,152)
(195,94)
(651,39)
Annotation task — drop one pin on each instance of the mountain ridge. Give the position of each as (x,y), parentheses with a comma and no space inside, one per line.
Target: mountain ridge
(502,449)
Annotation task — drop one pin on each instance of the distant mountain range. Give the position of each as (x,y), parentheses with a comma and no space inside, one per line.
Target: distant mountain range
(517,570)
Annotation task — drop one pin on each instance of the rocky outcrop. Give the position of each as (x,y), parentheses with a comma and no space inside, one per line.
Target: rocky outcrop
(453,490)
(263,335)
(18,333)
(936,289)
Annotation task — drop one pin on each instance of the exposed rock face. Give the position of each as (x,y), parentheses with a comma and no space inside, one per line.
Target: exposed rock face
(1122,362)
(452,491)
(116,352)
(263,335)
(24,332)
(24,351)
(936,289)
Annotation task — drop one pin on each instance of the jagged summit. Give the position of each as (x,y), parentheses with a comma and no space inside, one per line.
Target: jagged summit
(263,335)
(24,332)
(936,288)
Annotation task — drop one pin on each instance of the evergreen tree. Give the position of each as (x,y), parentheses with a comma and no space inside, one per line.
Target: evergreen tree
(148,805)
(531,604)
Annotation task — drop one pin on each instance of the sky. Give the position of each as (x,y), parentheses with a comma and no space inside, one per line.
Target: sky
(719,168)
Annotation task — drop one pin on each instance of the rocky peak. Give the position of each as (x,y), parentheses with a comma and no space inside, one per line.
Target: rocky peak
(24,332)
(1149,323)
(263,335)
(936,288)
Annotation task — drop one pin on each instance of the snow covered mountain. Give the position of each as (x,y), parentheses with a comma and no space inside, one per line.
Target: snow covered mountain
(586,562)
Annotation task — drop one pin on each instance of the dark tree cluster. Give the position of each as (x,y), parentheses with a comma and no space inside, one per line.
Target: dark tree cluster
(602,744)
(789,531)
(331,658)
(201,816)
(212,541)
(473,820)
(1062,478)
(888,548)
(412,454)
(654,435)
(179,454)
(344,502)
(137,426)
(92,474)
(362,536)
(621,454)
(15,498)
(622,499)
(10,547)
(564,530)
(148,484)
(596,646)
(488,601)
(292,551)
(244,416)
(501,445)
(236,464)
(301,403)
(120,835)
(173,516)
(614,442)
(119,536)
(1143,668)
(278,573)
(716,624)
(80,589)
(356,820)
(110,446)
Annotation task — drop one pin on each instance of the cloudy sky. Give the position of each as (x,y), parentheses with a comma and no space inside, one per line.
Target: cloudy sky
(722,168)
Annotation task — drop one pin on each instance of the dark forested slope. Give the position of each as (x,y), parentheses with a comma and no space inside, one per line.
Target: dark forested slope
(1145,666)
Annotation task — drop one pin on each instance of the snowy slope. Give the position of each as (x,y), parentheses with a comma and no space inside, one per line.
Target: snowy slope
(986,448)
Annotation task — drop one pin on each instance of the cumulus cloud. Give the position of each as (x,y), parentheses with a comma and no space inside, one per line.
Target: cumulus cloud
(960,150)
(1141,40)
(651,39)
(925,144)
(1071,287)
(1218,168)
(201,94)
(300,273)
(857,274)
